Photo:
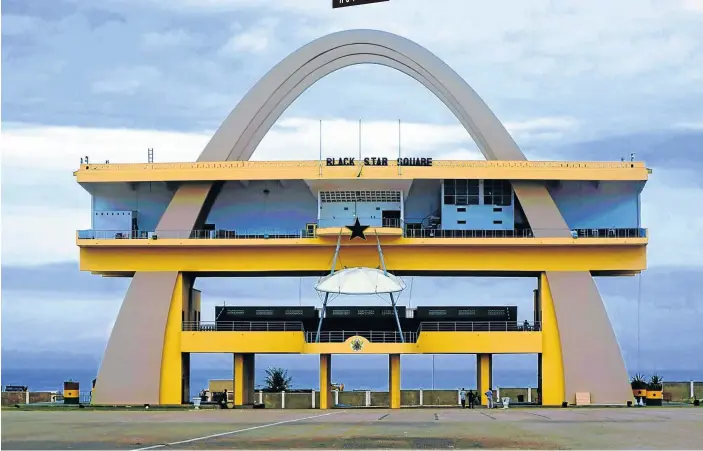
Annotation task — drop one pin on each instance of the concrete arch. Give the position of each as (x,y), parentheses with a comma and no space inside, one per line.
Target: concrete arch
(148,299)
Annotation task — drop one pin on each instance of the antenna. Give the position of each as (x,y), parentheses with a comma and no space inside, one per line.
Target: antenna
(320,147)
(399,170)
(150,155)
(359,140)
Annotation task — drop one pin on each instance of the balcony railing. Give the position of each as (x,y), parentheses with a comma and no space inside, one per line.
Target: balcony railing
(480,326)
(340,336)
(408,232)
(242,326)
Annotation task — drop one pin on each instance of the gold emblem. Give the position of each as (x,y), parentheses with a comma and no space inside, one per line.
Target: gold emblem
(357,344)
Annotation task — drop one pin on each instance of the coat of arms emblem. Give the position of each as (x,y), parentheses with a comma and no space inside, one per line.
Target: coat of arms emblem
(357,344)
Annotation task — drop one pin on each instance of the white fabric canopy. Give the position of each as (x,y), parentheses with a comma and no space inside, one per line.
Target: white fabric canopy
(360,281)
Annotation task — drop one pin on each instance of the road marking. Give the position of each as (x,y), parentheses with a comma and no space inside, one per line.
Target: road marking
(222,434)
(384,416)
(539,415)
(486,415)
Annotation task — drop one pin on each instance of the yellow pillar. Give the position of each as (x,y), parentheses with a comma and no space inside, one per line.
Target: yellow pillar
(326,381)
(484,375)
(171,386)
(394,381)
(243,379)
(552,370)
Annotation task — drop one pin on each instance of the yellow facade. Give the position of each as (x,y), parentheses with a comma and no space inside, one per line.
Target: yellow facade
(428,255)
(427,343)
(316,170)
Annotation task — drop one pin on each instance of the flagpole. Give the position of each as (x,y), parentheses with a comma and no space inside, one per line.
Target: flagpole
(399,171)
(320,148)
(360,140)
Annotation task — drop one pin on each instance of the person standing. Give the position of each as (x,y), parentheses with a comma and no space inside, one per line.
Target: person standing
(462,397)
(472,399)
(489,398)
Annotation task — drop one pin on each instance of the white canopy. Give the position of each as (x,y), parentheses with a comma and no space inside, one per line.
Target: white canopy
(360,281)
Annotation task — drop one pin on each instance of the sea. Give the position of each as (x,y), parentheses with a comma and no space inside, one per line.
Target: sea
(307,378)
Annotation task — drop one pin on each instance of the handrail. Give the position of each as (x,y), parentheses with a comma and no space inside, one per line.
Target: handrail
(340,336)
(480,326)
(408,232)
(242,326)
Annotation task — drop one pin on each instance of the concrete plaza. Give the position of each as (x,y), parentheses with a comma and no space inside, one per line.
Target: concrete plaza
(523,428)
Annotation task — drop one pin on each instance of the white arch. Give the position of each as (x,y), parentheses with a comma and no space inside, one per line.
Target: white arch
(246,125)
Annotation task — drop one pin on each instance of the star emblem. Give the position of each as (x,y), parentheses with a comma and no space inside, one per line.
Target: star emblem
(357,230)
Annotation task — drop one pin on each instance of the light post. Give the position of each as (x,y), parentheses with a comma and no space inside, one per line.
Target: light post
(433,371)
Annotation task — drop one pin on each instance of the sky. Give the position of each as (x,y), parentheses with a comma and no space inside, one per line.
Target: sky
(571,80)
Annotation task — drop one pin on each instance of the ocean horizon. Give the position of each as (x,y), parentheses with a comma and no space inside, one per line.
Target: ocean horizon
(307,378)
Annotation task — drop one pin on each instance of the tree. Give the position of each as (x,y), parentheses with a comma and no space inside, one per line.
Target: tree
(277,380)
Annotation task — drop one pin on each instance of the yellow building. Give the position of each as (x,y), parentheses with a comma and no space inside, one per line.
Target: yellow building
(164,225)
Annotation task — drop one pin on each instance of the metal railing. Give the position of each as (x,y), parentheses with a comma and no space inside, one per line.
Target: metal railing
(340,336)
(524,233)
(426,232)
(91,234)
(242,326)
(479,326)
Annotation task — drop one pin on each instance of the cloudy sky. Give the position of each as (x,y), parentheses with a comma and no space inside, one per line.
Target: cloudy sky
(571,80)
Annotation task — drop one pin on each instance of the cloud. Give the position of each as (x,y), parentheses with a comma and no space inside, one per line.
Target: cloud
(255,39)
(538,58)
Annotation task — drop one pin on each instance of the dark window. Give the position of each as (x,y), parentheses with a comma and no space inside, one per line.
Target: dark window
(497,222)
(461,222)
(497,192)
(498,209)
(461,210)
(461,192)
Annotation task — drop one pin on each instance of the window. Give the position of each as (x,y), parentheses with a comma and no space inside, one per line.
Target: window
(498,209)
(461,210)
(461,222)
(497,192)
(461,192)
(497,222)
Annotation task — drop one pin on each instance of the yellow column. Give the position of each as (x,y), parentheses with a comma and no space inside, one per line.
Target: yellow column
(244,373)
(325,381)
(394,381)
(552,365)
(171,387)
(484,375)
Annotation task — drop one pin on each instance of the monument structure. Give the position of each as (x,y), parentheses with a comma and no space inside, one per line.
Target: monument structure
(166,224)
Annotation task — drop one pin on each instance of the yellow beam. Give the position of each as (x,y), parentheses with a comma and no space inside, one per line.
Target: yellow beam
(387,236)
(553,390)
(484,375)
(394,381)
(428,343)
(170,391)
(243,379)
(326,382)
(310,170)
(247,259)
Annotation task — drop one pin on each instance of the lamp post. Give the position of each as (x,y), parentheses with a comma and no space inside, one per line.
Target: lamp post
(433,371)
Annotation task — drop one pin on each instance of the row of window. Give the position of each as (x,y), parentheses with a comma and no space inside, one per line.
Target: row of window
(467,192)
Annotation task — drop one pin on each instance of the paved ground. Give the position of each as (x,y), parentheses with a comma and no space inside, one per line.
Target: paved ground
(594,428)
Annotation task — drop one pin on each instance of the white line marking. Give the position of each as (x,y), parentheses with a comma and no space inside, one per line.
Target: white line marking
(222,434)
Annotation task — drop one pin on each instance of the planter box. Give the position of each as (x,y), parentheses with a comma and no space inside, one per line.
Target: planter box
(639,392)
(655,397)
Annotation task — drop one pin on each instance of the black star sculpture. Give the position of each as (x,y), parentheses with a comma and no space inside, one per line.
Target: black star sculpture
(357,230)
